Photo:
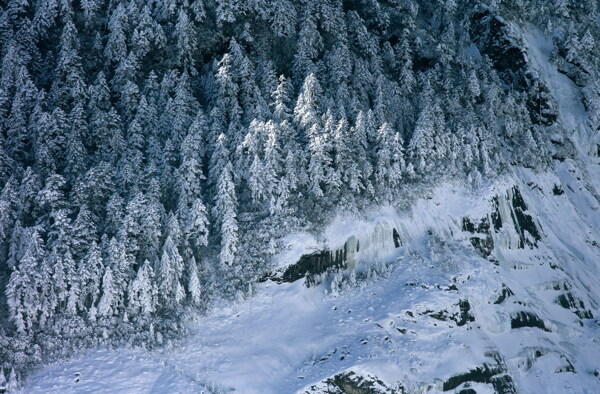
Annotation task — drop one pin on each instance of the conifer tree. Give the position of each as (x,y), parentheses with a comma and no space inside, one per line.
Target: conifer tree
(142,291)
(225,204)
(13,382)
(69,83)
(420,147)
(363,136)
(23,289)
(390,161)
(283,17)
(193,284)
(107,305)
(91,270)
(148,36)
(116,47)
(169,272)
(309,45)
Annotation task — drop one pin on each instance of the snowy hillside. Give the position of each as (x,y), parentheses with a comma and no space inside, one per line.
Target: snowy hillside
(315,196)
(435,312)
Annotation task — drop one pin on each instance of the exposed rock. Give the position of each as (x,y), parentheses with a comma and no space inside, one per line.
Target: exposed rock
(441,315)
(383,237)
(530,355)
(465,315)
(495,215)
(496,39)
(527,319)
(511,211)
(505,292)
(494,374)
(503,384)
(315,263)
(351,382)
(558,190)
(462,317)
(483,241)
(510,221)
(524,221)
(310,265)
(396,236)
(568,301)
(567,367)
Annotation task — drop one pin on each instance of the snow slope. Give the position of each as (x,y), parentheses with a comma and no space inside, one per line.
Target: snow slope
(289,337)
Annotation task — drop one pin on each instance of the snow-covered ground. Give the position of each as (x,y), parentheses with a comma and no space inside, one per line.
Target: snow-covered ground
(289,337)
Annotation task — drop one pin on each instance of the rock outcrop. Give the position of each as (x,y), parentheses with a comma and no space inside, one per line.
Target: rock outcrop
(496,39)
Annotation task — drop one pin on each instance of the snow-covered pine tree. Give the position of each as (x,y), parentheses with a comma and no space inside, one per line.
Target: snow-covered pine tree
(193,283)
(421,144)
(142,290)
(107,305)
(169,272)
(90,271)
(310,43)
(225,206)
(13,381)
(389,162)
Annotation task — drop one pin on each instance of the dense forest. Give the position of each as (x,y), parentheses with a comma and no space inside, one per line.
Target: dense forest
(154,153)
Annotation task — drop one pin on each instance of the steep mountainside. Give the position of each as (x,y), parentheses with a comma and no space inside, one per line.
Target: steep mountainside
(406,191)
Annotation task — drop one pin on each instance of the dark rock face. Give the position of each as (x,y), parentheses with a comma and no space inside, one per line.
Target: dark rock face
(567,367)
(495,38)
(527,319)
(490,373)
(495,215)
(462,317)
(523,221)
(534,354)
(320,262)
(316,263)
(483,242)
(465,315)
(397,240)
(568,301)
(503,384)
(504,294)
(558,190)
(350,382)
(524,225)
